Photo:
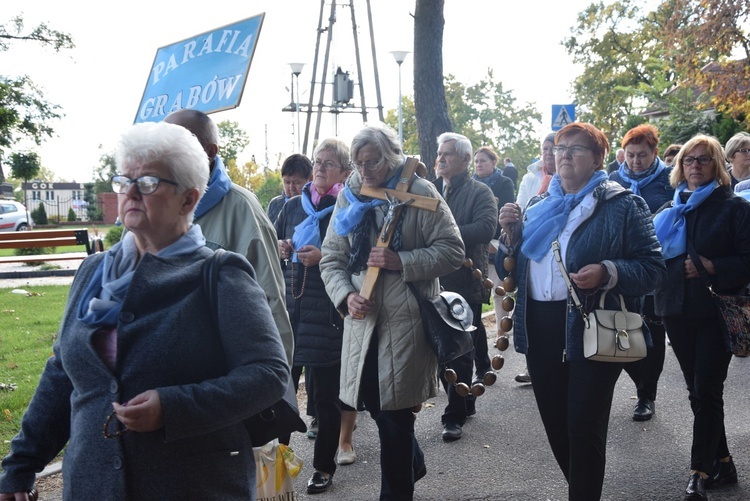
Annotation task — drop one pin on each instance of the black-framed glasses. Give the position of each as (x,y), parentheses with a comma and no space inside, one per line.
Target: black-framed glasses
(115,433)
(703,160)
(576,150)
(373,165)
(327,165)
(145,185)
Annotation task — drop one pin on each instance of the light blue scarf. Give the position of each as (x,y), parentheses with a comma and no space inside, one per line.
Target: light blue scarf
(670,225)
(347,218)
(308,231)
(219,185)
(102,300)
(641,179)
(546,219)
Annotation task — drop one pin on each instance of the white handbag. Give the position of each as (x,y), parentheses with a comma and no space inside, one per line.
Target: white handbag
(608,335)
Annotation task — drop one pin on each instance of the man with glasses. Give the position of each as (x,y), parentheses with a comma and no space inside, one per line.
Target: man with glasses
(232,218)
(473,206)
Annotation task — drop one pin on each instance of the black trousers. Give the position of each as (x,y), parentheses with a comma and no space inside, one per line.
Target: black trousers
(479,335)
(574,400)
(704,360)
(309,387)
(400,454)
(458,407)
(646,372)
(325,397)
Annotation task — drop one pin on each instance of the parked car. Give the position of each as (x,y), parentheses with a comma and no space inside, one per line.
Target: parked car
(13,216)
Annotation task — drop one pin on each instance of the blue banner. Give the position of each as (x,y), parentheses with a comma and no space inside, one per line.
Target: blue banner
(206,72)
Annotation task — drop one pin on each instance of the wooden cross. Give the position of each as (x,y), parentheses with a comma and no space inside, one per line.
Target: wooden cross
(396,202)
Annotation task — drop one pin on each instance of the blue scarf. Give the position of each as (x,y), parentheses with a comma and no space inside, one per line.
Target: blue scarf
(491,179)
(670,225)
(641,179)
(219,185)
(102,300)
(308,231)
(546,219)
(347,218)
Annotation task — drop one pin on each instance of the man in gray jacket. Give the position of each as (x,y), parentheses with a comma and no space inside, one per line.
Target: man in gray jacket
(473,206)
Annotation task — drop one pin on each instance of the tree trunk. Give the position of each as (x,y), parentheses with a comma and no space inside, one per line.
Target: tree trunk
(429,93)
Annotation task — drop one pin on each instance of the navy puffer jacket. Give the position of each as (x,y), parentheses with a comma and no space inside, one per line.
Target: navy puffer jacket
(619,230)
(318,327)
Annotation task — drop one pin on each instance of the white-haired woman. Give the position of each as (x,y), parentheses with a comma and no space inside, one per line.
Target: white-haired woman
(147,392)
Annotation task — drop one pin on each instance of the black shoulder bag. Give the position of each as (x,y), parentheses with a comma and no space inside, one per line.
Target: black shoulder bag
(282,418)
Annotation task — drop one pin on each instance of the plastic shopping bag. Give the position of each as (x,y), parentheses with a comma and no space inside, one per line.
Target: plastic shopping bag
(275,467)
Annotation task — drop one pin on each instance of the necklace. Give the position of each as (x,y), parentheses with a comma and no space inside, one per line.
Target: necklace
(304,281)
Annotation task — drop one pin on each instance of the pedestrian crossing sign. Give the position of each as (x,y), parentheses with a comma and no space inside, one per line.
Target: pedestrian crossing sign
(562,115)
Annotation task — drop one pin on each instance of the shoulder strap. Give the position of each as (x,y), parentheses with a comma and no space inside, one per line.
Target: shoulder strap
(699,265)
(211,283)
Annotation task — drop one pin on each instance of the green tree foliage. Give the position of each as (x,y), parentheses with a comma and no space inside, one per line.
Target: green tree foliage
(271,187)
(103,173)
(625,64)
(232,140)
(24,165)
(24,113)
(485,113)
(39,215)
(72,215)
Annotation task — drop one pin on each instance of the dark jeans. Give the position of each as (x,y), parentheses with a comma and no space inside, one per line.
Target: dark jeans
(325,398)
(645,373)
(458,407)
(479,336)
(400,454)
(574,400)
(704,360)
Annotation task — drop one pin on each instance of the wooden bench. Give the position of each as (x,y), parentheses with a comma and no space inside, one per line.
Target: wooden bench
(47,238)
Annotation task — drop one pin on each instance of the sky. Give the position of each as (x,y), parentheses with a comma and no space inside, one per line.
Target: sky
(99,83)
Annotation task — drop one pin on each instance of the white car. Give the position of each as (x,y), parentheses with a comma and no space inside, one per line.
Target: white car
(13,216)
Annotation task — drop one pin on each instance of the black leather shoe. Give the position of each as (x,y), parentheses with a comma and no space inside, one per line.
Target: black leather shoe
(452,431)
(523,377)
(319,483)
(644,409)
(696,490)
(722,474)
(420,473)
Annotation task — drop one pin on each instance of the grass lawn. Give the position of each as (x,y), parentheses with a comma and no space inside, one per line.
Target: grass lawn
(29,327)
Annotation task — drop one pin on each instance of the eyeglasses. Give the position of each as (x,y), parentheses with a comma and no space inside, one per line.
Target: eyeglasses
(145,185)
(576,150)
(327,165)
(374,165)
(744,151)
(115,434)
(703,160)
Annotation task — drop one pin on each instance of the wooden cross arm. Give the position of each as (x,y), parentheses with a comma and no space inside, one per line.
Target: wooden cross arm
(419,202)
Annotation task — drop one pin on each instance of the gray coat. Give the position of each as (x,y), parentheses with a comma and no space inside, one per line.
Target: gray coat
(207,383)
(431,247)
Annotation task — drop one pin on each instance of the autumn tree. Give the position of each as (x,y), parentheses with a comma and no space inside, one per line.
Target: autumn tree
(710,42)
(24,113)
(232,140)
(429,94)
(625,64)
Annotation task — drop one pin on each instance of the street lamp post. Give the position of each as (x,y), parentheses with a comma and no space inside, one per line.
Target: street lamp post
(296,70)
(399,56)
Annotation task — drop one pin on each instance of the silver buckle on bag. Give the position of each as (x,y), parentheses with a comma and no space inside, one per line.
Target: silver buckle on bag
(623,342)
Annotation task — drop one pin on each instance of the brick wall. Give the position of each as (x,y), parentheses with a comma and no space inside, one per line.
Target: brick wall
(108,204)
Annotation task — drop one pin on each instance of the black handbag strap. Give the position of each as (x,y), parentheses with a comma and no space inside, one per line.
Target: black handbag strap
(699,266)
(211,284)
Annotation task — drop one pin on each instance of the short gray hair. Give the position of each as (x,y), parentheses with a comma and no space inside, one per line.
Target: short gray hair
(338,148)
(170,145)
(384,139)
(463,145)
(739,140)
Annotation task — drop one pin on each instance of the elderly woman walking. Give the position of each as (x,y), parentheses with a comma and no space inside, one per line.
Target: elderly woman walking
(147,392)
(385,358)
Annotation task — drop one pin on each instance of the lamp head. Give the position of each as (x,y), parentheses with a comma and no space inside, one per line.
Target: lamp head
(399,55)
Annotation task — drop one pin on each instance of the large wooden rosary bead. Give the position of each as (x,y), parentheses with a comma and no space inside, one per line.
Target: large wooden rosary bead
(451,376)
(502,343)
(477,390)
(509,284)
(462,389)
(497,362)
(508,303)
(489,378)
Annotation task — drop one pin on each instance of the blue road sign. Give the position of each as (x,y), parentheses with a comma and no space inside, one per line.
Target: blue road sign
(562,115)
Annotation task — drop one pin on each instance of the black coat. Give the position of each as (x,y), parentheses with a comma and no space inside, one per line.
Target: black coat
(503,189)
(475,211)
(719,230)
(318,327)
